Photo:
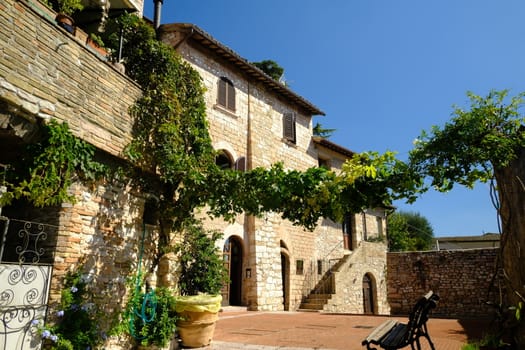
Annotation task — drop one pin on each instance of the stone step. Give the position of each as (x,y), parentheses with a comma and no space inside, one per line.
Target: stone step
(319,296)
(311,306)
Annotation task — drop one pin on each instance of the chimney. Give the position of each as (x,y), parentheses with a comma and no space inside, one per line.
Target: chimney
(156,18)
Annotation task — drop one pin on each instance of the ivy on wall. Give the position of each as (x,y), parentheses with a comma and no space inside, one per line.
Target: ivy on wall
(48,168)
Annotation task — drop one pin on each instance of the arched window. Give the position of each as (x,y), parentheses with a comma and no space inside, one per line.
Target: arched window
(226,94)
(223,160)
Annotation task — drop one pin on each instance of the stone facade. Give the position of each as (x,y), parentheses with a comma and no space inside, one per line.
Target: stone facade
(46,73)
(254,130)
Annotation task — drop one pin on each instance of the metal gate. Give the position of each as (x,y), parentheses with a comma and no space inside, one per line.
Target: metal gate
(26,256)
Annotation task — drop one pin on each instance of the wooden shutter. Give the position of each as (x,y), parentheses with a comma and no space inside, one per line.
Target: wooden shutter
(221,95)
(231,96)
(240,164)
(289,126)
(226,94)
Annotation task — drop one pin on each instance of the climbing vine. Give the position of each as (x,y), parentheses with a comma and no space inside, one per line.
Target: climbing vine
(48,168)
(173,158)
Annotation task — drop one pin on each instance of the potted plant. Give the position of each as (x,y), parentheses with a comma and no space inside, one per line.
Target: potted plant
(150,317)
(202,275)
(95,42)
(65,9)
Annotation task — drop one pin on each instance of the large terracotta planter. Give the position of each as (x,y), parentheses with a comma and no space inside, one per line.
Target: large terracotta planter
(197,317)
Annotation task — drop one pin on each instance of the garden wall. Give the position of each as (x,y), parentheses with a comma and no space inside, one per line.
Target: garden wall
(464,280)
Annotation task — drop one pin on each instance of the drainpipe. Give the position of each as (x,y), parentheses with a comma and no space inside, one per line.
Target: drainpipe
(156,17)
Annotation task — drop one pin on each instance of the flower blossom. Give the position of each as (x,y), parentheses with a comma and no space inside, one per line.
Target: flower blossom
(74,289)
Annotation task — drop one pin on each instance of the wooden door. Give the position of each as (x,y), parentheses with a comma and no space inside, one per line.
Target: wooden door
(368,295)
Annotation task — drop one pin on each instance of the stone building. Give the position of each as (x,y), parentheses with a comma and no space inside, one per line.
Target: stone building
(47,73)
(256,121)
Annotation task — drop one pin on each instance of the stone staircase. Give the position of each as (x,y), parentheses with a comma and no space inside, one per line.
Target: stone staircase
(323,290)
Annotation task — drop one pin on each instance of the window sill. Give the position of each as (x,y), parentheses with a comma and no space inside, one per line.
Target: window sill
(289,143)
(225,110)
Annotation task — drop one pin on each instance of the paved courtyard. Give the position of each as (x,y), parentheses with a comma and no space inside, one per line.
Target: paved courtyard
(310,330)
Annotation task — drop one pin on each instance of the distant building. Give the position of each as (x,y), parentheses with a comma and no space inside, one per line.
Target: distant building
(488,240)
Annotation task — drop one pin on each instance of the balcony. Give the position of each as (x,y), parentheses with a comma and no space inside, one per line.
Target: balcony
(46,72)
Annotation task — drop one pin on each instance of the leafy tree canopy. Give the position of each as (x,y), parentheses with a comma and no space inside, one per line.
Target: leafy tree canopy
(272,68)
(318,130)
(408,231)
(473,143)
(486,142)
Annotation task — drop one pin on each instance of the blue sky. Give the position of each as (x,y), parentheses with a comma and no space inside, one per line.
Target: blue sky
(381,70)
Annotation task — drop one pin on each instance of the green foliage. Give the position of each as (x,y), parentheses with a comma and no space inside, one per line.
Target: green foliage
(171,148)
(67,7)
(475,142)
(408,231)
(488,341)
(97,39)
(318,130)
(485,142)
(78,320)
(49,167)
(368,180)
(398,236)
(149,317)
(201,267)
(271,68)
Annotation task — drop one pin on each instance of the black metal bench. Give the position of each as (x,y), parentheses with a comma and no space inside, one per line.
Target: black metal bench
(392,334)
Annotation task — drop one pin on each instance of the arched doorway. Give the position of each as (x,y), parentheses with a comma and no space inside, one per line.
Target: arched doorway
(368,295)
(285,276)
(232,257)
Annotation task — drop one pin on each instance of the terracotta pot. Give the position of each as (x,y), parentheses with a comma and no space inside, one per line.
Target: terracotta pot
(196,328)
(66,22)
(197,317)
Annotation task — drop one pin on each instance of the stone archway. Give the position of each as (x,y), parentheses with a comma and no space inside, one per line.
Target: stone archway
(233,260)
(285,275)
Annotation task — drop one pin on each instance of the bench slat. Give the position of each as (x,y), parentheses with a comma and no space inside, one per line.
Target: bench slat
(380,331)
(396,336)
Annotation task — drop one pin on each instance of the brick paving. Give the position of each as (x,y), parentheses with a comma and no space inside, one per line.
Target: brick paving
(311,330)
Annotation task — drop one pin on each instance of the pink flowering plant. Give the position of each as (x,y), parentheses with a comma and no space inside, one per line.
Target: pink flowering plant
(76,324)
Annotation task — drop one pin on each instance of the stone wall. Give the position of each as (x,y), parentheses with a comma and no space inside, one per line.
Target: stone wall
(462,278)
(368,259)
(47,73)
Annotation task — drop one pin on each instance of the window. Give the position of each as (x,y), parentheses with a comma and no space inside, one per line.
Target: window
(226,94)
(319,267)
(348,223)
(379,222)
(299,268)
(289,126)
(348,227)
(223,160)
(323,163)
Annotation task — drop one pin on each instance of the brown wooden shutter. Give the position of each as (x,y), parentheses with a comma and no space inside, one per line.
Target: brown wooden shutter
(221,96)
(231,96)
(289,126)
(240,164)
